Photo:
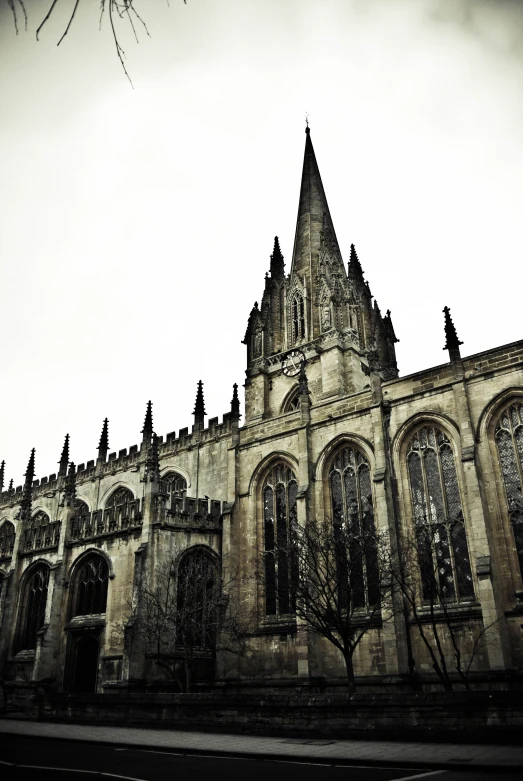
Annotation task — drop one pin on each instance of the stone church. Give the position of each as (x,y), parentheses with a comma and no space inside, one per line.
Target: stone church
(329,430)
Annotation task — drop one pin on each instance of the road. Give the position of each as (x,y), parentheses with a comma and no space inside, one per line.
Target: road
(42,759)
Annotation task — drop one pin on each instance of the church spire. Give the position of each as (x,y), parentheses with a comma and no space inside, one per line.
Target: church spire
(313,214)
(2,473)
(147,430)
(277,265)
(64,458)
(103,445)
(199,406)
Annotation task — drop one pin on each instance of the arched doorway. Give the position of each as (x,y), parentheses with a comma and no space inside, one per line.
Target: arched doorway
(86,665)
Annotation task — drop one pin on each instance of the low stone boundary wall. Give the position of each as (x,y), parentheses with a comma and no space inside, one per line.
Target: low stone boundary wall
(475,716)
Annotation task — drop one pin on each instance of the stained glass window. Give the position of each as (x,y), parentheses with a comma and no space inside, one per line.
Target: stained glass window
(279,493)
(353,519)
(438,518)
(509,440)
(34,601)
(7,539)
(90,595)
(298,317)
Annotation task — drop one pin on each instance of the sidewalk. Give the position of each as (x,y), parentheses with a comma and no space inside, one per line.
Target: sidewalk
(372,752)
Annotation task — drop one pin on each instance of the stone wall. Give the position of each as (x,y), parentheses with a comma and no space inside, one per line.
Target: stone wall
(474,716)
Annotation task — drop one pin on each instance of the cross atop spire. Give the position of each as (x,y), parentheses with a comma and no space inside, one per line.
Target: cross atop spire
(452,342)
(64,458)
(199,406)
(103,445)
(147,430)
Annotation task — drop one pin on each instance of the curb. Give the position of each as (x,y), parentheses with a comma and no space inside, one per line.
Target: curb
(466,766)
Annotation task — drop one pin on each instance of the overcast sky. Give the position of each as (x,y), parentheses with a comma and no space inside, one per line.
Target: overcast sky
(138,223)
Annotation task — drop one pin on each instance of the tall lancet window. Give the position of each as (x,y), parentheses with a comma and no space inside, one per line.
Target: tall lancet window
(280,490)
(509,440)
(438,518)
(33,606)
(353,519)
(298,318)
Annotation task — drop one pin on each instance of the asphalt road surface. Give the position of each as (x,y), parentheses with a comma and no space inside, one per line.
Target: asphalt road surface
(41,759)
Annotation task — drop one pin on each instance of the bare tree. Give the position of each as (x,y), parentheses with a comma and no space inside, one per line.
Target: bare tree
(433,583)
(185,613)
(339,583)
(117,11)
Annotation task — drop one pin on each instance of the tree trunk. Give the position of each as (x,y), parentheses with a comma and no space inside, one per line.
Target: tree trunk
(351,681)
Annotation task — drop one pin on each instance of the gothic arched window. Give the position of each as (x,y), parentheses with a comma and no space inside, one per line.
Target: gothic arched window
(509,440)
(197,597)
(81,521)
(7,539)
(90,587)
(353,520)
(34,599)
(174,484)
(280,490)
(41,532)
(298,317)
(438,518)
(120,510)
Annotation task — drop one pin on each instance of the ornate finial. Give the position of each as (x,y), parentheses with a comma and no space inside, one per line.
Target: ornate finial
(147,430)
(307,128)
(277,263)
(152,464)
(354,270)
(27,495)
(70,486)
(2,472)
(199,406)
(103,445)
(64,458)
(10,485)
(235,403)
(389,328)
(452,342)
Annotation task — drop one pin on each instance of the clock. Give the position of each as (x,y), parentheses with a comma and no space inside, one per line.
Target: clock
(292,363)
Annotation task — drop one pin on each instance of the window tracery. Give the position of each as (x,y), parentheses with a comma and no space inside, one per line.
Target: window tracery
(438,517)
(280,490)
(81,526)
(90,587)
(298,317)
(7,539)
(197,598)
(41,532)
(34,602)
(509,441)
(121,512)
(353,515)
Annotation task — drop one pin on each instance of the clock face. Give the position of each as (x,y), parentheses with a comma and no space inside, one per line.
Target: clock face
(292,363)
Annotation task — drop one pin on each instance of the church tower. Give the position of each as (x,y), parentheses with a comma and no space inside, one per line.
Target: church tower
(320,315)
